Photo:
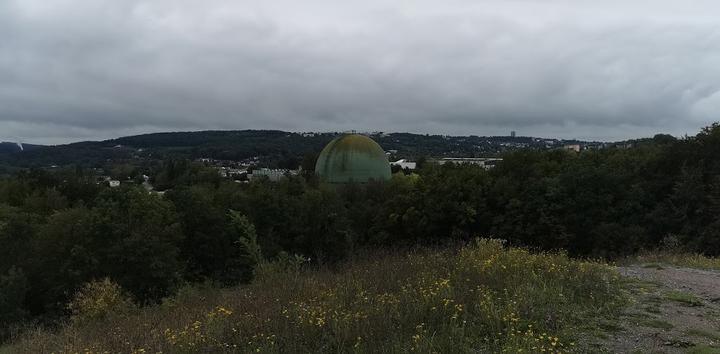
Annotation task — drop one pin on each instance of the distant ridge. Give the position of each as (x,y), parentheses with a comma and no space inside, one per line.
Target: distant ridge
(10,147)
(237,145)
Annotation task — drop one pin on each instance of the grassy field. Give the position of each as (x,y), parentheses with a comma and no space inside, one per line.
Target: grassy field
(483,297)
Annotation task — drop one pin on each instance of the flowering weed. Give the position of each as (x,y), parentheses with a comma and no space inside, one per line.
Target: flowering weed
(482,297)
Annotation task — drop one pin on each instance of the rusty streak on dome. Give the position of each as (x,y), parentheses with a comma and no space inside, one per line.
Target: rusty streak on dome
(352,158)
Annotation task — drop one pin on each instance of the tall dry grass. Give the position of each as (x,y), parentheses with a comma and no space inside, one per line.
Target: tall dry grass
(481,298)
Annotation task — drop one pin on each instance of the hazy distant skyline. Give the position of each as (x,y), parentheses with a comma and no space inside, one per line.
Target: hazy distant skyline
(95,69)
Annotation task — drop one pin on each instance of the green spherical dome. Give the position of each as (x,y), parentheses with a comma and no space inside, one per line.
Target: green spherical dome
(352,158)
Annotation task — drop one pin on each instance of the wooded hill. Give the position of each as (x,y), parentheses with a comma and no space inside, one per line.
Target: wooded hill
(273,147)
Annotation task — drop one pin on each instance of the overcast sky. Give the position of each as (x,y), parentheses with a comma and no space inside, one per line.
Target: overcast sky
(94,69)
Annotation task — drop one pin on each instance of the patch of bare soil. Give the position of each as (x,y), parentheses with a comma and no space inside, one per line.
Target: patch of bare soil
(674,310)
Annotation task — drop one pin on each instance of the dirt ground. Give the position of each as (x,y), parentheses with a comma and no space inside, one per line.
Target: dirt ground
(674,310)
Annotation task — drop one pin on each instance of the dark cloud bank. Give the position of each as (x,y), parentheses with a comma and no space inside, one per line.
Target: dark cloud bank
(92,69)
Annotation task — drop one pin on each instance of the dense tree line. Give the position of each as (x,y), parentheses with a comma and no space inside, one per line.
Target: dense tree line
(60,230)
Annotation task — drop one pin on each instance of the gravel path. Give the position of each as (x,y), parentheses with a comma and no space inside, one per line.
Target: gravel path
(674,310)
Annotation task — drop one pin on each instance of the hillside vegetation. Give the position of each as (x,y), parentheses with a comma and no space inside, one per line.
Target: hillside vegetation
(61,229)
(482,297)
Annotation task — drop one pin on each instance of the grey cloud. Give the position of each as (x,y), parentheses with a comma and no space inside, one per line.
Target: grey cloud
(89,69)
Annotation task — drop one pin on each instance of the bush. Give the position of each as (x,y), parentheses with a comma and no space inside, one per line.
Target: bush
(13,287)
(98,299)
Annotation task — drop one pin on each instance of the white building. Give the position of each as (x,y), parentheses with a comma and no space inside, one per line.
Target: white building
(573,147)
(114,183)
(228,172)
(405,164)
(271,174)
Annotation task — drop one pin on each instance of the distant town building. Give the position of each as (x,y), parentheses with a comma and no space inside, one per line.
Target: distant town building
(114,183)
(228,172)
(403,164)
(485,162)
(573,147)
(271,174)
(512,134)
